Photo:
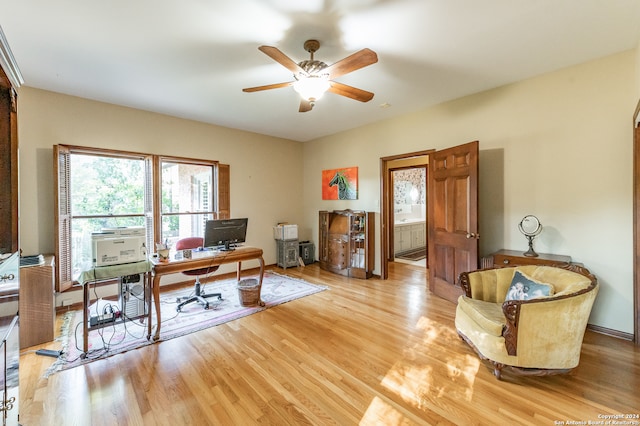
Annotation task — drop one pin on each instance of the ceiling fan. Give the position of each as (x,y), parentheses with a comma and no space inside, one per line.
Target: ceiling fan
(313,78)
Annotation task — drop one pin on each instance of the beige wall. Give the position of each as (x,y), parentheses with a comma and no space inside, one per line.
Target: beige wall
(557,146)
(637,71)
(258,163)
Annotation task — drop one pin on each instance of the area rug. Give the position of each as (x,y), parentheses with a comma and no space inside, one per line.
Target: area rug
(416,254)
(128,335)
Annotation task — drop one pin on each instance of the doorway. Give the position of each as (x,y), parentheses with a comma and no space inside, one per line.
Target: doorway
(409,186)
(452,213)
(393,210)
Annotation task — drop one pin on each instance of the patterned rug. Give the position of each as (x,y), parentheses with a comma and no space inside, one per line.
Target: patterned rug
(415,254)
(128,335)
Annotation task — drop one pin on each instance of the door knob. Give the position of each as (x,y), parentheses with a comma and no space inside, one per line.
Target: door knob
(473,235)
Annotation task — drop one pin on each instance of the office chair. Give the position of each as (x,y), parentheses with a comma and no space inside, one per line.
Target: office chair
(199,296)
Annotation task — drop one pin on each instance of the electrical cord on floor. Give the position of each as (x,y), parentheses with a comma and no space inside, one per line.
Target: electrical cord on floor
(132,320)
(108,341)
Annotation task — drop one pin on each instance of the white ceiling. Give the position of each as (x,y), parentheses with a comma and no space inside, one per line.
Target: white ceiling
(191,58)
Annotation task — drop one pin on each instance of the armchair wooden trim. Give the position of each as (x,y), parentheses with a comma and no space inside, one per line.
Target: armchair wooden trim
(512,310)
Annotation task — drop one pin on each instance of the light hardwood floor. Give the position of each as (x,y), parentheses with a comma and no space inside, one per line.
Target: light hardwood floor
(364,352)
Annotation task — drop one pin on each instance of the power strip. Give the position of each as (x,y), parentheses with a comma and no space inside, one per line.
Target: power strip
(102,319)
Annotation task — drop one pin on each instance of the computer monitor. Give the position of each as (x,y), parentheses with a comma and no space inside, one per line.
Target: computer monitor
(225,233)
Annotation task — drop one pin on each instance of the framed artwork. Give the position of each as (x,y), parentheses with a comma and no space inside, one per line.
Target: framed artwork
(340,184)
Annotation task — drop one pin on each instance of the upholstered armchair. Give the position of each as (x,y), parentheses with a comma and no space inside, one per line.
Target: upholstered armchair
(529,318)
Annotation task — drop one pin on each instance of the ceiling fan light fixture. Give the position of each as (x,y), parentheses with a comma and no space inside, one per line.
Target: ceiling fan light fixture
(313,78)
(311,88)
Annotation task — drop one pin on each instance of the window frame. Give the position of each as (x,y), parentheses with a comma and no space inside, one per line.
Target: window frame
(214,212)
(152,199)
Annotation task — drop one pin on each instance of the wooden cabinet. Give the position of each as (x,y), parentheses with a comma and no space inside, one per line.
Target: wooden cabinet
(10,80)
(8,165)
(401,238)
(347,242)
(514,258)
(409,236)
(37,304)
(418,235)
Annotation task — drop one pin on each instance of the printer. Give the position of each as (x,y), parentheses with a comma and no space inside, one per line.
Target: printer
(114,246)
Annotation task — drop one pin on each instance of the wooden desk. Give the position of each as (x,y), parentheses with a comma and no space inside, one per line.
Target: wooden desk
(202,259)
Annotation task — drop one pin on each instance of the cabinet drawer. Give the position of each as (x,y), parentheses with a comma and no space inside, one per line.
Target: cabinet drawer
(509,259)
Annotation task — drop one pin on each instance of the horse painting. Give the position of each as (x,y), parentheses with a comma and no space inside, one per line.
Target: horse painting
(345,180)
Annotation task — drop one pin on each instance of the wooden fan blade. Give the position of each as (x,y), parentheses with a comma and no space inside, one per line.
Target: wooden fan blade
(350,92)
(351,63)
(267,87)
(275,54)
(305,106)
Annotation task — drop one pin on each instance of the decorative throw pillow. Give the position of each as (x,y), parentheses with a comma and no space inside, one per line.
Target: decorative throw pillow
(525,288)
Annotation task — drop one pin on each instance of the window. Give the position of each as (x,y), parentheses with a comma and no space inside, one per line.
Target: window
(98,189)
(187,199)
(106,192)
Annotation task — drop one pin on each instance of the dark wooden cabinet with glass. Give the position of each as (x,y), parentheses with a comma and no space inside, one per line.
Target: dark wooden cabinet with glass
(346,243)
(10,80)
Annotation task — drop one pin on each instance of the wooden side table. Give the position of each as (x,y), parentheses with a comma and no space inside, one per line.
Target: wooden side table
(513,258)
(36,306)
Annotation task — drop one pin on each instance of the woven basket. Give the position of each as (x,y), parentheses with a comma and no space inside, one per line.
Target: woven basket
(249,292)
